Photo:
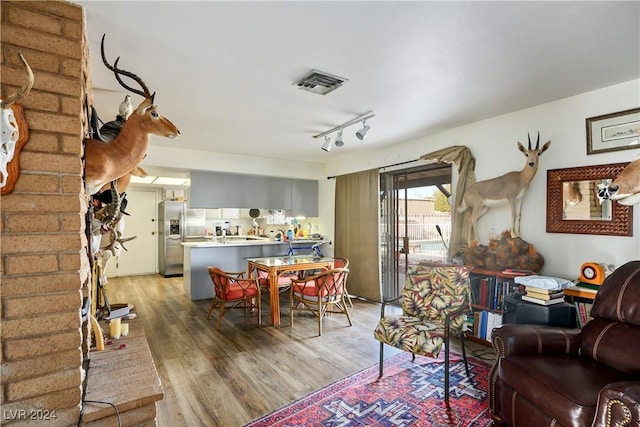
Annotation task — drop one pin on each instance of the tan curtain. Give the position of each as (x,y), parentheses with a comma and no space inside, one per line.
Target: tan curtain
(462,157)
(357,217)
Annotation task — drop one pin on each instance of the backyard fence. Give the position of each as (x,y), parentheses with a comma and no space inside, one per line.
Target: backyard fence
(423,235)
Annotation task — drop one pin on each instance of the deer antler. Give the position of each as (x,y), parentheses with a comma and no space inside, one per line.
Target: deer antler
(24,90)
(117,71)
(537,142)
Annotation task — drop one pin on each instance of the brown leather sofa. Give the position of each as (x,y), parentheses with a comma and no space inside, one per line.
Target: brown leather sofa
(551,376)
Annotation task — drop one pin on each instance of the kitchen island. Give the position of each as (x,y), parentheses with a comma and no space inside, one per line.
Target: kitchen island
(228,256)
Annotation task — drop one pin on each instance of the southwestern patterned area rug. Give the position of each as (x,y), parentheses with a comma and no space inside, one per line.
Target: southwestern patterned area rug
(409,394)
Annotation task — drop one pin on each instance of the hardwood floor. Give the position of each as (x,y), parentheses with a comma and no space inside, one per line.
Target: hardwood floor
(232,376)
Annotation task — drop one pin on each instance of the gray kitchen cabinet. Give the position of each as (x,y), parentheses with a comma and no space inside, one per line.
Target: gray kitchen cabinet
(270,193)
(304,197)
(215,190)
(228,190)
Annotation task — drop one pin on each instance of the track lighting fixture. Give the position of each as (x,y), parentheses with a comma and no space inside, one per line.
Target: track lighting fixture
(327,144)
(362,133)
(339,141)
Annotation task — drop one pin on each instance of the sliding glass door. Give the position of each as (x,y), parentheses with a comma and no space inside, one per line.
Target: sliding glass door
(415,221)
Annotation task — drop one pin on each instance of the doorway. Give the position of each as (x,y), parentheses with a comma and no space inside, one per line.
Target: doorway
(415,221)
(141,256)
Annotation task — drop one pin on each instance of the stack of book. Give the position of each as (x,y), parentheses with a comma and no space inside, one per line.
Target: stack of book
(585,289)
(482,323)
(543,296)
(583,295)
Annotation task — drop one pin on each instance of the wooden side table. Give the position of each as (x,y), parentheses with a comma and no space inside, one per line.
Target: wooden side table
(125,377)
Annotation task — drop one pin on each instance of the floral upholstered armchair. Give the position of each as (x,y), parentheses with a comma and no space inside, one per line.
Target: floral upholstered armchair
(435,300)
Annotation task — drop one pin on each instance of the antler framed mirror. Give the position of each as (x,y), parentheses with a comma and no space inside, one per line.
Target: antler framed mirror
(573,205)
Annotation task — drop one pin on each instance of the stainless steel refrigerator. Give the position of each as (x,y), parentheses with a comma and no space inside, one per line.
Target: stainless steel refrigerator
(171,233)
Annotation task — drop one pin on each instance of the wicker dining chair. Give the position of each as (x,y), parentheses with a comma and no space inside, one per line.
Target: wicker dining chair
(232,290)
(341,262)
(321,294)
(338,262)
(284,280)
(435,300)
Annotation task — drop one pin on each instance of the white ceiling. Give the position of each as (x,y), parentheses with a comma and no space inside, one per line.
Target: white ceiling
(223,71)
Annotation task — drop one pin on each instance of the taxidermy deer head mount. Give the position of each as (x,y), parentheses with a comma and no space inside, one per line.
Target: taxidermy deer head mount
(105,162)
(625,189)
(508,188)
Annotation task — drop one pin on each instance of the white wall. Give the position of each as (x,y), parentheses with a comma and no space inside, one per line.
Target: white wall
(493,143)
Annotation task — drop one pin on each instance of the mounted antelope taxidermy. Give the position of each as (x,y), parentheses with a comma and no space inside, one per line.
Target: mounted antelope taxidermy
(15,132)
(508,188)
(108,161)
(625,188)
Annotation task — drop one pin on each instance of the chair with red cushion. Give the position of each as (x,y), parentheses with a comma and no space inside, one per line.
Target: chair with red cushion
(321,294)
(339,262)
(232,290)
(284,280)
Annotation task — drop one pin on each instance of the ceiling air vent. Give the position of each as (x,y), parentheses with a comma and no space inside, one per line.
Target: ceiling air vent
(320,82)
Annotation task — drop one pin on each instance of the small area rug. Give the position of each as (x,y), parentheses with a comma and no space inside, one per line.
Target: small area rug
(409,394)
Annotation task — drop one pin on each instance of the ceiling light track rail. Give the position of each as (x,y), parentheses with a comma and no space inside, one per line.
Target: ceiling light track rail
(358,119)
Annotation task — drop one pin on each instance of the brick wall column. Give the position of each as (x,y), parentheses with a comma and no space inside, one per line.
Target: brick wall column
(44,264)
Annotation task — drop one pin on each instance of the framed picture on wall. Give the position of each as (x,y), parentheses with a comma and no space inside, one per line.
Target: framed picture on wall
(613,132)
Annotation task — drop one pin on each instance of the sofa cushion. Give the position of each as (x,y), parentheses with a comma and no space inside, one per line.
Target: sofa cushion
(618,298)
(613,343)
(543,382)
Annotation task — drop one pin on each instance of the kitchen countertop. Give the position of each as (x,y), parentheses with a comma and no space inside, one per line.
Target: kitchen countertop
(220,243)
(236,241)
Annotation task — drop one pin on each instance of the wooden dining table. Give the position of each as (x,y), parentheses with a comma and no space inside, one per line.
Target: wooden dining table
(275,266)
